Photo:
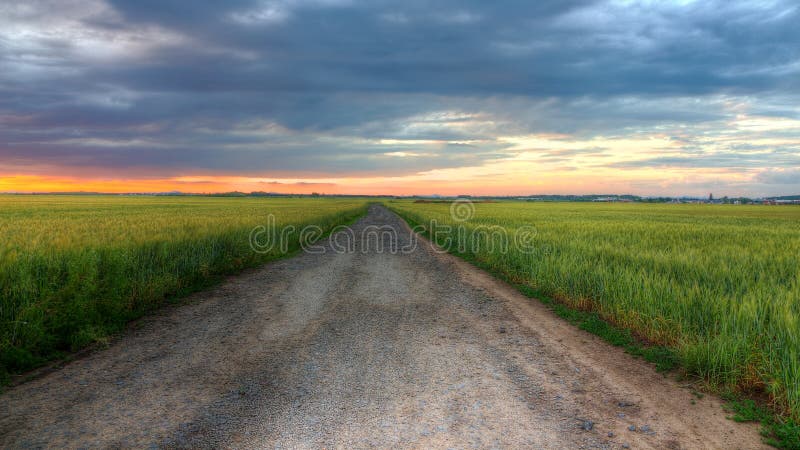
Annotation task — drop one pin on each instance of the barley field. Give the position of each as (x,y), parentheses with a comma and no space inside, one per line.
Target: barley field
(74,269)
(719,284)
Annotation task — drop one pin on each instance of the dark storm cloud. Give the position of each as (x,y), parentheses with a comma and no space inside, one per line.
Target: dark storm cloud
(195,80)
(279,159)
(530,48)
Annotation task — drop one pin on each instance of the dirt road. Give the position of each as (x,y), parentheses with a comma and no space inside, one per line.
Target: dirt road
(362,349)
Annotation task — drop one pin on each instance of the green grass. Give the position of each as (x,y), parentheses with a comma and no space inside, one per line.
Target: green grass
(715,288)
(74,269)
(662,357)
(777,431)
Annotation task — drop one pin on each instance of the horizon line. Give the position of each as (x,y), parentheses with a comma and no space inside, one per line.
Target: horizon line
(322,194)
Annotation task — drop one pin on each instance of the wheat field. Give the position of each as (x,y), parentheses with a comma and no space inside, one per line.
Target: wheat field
(719,284)
(74,269)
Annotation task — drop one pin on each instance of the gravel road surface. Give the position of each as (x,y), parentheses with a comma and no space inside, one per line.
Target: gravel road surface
(364,348)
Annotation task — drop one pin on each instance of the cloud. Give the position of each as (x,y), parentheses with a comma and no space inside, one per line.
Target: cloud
(779,176)
(322,87)
(727,160)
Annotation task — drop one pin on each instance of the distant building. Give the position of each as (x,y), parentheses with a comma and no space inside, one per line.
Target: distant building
(612,200)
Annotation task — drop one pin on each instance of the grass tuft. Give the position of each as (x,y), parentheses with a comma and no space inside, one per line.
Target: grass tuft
(779,432)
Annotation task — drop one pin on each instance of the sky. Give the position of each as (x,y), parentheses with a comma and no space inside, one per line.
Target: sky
(413,97)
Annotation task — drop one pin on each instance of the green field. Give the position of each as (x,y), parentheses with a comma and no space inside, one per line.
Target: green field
(74,269)
(718,284)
